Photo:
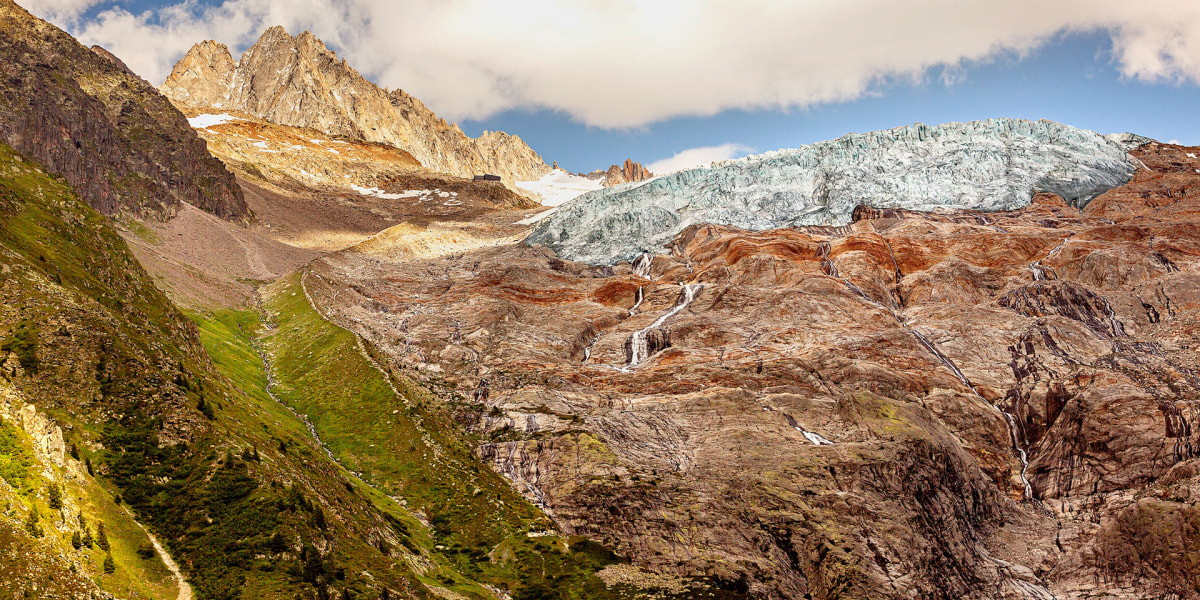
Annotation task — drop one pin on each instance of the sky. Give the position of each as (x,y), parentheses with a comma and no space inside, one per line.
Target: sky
(675,83)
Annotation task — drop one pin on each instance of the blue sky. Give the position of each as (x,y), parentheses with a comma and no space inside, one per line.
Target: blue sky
(588,83)
(1071,80)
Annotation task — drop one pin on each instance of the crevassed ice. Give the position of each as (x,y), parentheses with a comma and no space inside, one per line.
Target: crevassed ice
(989,165)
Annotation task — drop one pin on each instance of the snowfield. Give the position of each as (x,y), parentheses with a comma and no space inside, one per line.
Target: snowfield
(559,186)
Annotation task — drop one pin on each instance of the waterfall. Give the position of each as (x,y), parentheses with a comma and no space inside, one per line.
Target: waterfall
(1039,270)
(639,351)
(587,352)
(816,438)
(641,295)
(641,266)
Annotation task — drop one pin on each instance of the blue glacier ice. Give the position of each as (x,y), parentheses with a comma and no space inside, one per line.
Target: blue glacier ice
(991,165)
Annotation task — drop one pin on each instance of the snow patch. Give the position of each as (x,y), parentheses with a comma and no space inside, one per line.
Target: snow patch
(208,120)
(378,193)
(559,186)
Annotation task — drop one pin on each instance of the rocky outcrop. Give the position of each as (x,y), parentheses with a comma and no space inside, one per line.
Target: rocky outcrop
(617,174)
(85,117)
(984,165)
(960,404)
(112,58)
(298,81)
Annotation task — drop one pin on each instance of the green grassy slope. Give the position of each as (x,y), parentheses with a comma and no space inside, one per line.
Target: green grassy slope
(403,443)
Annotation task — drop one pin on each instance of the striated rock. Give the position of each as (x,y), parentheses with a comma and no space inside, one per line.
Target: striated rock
(85,117)
(298,81)
(985,165)
(960,404)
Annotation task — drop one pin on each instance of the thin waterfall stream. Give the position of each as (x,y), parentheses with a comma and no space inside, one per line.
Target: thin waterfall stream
(639,349)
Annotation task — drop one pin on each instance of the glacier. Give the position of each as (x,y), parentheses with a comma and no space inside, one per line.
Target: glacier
(992,165)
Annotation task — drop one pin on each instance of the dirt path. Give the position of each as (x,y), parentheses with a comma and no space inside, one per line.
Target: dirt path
(185,589)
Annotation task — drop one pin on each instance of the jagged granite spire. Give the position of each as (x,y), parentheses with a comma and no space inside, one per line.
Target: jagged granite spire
(988,165)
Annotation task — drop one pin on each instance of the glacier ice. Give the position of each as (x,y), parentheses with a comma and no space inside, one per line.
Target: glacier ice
(991,165)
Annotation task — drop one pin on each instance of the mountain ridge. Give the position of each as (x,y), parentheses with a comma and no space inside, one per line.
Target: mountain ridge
(298,81)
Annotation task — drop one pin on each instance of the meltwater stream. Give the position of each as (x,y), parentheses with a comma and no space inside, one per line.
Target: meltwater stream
(638,349)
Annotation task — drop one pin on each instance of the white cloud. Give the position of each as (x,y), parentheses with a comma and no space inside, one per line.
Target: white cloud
(59,11)
(697,157)
(627,63)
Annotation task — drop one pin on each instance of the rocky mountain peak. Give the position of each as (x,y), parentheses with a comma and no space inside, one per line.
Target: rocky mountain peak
(204,74)
(298,81)
(103,52)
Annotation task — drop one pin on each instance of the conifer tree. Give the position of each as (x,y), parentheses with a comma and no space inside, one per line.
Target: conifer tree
(55,497)
(102,538)
(31,524)
(110,567)
(76,540)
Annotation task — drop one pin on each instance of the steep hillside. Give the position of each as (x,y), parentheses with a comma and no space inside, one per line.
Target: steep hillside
(297,81)
(231,485)
(106,131)
(114,416)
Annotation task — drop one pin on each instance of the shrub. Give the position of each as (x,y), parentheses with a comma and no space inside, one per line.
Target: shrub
(23,343)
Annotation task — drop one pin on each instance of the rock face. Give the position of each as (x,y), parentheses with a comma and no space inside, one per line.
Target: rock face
(629,172)
(297,81)
(86,118)
(961,404)
(985,165)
